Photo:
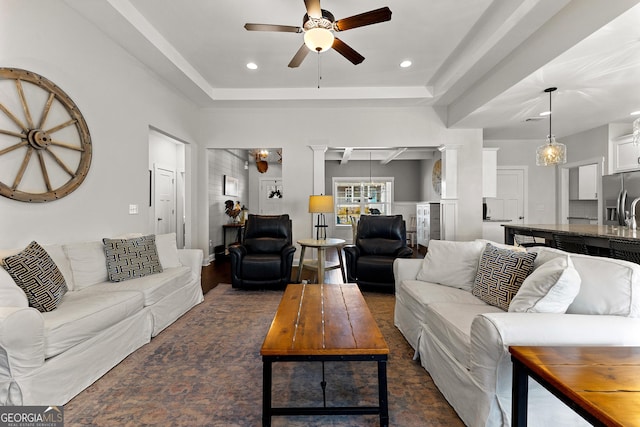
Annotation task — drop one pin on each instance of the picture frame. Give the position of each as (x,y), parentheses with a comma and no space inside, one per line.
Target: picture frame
(231,185)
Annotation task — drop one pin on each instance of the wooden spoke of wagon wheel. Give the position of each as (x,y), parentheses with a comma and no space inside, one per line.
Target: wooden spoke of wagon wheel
(23,167)
(61,163)
(23,101)
(13,117)
(11,133)
(13,147)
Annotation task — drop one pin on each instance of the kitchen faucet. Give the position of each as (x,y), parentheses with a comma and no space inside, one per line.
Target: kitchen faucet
(632,219)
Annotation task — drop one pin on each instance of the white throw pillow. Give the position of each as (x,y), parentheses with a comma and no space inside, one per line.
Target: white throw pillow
(452,264)
(550,288)
(88,263)
(167,250)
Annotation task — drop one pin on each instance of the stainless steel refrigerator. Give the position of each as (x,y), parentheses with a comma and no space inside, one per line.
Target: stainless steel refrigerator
(619,191)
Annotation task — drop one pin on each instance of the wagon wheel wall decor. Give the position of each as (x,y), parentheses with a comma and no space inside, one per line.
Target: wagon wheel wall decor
(45,146)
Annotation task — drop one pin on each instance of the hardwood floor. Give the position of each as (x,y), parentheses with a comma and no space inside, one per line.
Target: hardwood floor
(219,271)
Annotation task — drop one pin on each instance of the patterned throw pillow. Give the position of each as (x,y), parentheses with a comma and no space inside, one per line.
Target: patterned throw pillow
(500,274)
(131,258)
(37,275)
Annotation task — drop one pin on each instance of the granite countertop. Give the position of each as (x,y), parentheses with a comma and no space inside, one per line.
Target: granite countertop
(592,230)
(496,220)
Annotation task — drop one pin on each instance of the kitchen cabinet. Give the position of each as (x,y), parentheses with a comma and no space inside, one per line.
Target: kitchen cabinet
(626,155)
(489,172)
(587,182)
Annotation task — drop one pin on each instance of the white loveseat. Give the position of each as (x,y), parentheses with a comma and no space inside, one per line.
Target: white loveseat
(463,342)
(47,358)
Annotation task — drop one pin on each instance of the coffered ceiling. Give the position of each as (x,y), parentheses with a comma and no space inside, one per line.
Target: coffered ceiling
(481,63)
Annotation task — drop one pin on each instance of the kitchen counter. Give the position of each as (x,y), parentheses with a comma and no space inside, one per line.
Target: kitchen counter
(596,236)
(496,220)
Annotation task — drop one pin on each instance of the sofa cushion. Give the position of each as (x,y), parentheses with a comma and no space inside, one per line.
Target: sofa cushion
(84,314)
(167,250)
(451,322)
(608,286)
(154,287)
(131,258)
(550,288)
(417,295)
(500,274)
(88,263)
(451,263)
(37,275)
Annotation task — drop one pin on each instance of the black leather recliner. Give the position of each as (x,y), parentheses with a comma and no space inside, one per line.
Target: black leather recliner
(265,257)
(380,239)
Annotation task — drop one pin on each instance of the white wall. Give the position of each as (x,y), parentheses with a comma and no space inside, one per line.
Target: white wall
(119,99)
(290,129)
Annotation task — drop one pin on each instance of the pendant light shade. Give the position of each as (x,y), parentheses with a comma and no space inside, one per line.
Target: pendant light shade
(552,153)
(636,131)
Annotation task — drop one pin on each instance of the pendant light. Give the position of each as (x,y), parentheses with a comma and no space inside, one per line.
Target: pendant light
(636,131)
(552,153)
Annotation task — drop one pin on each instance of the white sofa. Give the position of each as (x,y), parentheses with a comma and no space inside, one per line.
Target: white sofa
(463,342)
(48,358)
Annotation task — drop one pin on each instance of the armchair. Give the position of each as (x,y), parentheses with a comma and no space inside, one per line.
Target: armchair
(380,239)
(265,257)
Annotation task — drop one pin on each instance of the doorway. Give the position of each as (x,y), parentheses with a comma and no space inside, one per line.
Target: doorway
(167,181)
(510,201)
(164,200)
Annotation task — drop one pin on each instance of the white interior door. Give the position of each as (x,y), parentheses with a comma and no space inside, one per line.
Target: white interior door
(271,195)
(165,200)
(509,202)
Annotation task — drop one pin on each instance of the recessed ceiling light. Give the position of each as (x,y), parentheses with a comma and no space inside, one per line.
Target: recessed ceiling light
(405,64)
(252,66)
(545,113)
(635,113)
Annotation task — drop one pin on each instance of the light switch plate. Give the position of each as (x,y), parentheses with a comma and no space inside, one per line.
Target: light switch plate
(133,209)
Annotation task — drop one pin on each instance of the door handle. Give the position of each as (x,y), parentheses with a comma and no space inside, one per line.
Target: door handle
(520,217)
(159,219)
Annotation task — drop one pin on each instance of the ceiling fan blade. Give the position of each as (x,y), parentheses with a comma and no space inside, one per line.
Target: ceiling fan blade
(313,8)
(270,27)
(299,56)
(345,50)
(372,17)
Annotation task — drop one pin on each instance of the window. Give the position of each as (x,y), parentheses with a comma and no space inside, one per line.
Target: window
(361,196)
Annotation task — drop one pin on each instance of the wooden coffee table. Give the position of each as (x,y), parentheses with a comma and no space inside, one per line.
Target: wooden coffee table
(324,323)
(602,384)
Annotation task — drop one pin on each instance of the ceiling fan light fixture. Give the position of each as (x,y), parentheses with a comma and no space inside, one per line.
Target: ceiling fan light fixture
(318,39)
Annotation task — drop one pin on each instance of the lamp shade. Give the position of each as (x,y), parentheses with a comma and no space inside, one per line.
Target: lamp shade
(318,39)
(320,204)
(552,153)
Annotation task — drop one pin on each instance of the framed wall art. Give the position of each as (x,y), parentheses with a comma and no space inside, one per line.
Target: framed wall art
(230,186)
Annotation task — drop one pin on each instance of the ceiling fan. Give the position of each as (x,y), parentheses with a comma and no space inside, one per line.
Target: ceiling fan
(318,26)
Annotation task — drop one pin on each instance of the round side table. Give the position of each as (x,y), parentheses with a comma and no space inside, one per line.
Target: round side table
(321,265)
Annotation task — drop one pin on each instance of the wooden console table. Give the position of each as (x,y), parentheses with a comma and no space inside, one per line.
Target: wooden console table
(602,384)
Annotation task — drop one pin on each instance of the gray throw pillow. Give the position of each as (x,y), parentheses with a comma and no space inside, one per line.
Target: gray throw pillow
(131,258)
(500,275)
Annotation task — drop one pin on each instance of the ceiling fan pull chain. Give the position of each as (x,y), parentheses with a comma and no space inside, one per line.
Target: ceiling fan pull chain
(319,76)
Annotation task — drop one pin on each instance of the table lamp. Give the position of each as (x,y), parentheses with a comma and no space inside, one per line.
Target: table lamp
(321,205)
